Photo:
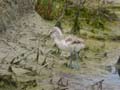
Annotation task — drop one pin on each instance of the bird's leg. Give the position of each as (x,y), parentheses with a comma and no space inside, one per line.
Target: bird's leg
(70,60)
(77,60)
(74,60)
(58,51)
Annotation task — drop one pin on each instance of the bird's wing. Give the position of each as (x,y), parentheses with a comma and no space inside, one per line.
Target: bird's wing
(73,40)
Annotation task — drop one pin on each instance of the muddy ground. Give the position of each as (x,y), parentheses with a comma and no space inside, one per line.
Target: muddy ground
(28,61)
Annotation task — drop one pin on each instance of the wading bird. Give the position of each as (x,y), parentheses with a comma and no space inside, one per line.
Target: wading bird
(71,44)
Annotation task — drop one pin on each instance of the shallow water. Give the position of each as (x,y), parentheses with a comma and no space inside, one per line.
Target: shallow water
(112,79)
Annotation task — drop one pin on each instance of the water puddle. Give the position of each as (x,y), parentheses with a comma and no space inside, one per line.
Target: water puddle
(113,77)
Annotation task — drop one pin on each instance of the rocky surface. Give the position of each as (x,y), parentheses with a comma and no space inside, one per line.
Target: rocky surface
(12,10)
(23,34)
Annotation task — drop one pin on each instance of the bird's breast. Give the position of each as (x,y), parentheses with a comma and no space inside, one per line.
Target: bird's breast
(69,46)
(61,44)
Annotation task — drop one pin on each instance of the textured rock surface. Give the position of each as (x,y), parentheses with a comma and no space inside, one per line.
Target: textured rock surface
(24,27)
(12,10)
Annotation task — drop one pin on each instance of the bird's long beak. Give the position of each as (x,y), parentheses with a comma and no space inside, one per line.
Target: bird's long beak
(51,32)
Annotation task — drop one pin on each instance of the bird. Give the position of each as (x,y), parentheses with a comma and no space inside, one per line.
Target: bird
(71,44)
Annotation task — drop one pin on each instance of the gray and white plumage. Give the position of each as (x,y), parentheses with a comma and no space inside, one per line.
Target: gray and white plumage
(71,44)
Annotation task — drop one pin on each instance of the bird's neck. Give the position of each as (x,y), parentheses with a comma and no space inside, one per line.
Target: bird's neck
(58,40)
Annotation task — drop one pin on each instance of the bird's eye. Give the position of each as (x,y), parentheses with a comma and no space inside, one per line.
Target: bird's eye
(52,32)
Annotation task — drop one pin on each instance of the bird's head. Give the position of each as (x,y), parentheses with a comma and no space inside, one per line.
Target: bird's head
(59,25)
(56,33)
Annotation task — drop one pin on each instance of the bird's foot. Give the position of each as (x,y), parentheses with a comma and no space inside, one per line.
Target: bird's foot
(69,66)
(77,67)
(74,65)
